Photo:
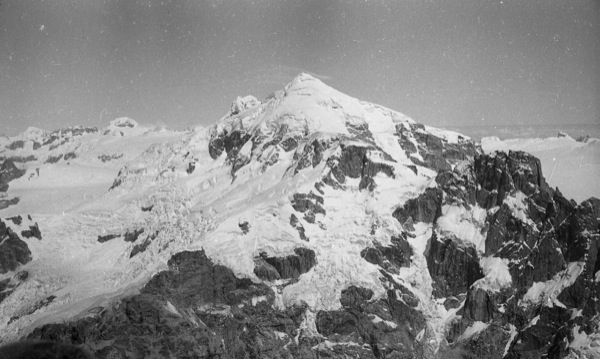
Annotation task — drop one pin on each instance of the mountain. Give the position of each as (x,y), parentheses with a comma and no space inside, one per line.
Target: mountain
(308,225)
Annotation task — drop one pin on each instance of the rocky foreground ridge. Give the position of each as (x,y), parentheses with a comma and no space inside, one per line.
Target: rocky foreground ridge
(315,225)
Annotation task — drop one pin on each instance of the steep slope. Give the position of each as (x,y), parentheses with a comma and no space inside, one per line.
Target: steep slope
(311,224)
(562,158)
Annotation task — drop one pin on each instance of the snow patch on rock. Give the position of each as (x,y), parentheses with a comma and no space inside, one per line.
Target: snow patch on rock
(466,225)
(545,293)
(497,275)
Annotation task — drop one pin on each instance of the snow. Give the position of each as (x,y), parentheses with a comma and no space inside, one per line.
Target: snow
(473,329)
(450,136)
(560,158)
(256,300)
(518,206)
(496,274)
(545,293)
(584,345)
(172,309)
(466,225)
(513,334)
(125,126)
(376,319)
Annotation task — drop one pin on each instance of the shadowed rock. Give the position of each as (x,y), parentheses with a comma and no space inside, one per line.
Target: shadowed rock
(5,203)
(387,326)
(292,266)
(193,309)
(294,222)
(8,172)
(355,297)
(391,257)
(425,208)
(312,154)
(107,237)
(13,250)
(33,231)
(133,236)
(355,162)
(138,248)
(16,220)
(231,143)
(453,266)
(42,350)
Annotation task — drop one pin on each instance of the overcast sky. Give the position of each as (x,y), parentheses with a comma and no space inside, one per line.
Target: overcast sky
(180,63)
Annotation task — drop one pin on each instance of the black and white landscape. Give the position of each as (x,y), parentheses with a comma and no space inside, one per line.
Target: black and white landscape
(307,224)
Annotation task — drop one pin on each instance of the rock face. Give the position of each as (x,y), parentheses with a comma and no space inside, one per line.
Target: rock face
(32,231)
(194,309)
(108,237)
(453,266)
(45,349)
(390,258)
(425,208)
(5,203)
(292,266)
(8,172)
(544,238)
(199,309)
(13,250)
(133,235)
(355,162)
(387,327)
(427,150)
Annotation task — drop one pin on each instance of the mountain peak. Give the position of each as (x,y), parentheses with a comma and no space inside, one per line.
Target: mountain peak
(124,122)
(303,77)
(124,126)
(305,106)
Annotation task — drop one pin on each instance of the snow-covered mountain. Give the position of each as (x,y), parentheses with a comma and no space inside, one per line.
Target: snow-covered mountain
(308,225)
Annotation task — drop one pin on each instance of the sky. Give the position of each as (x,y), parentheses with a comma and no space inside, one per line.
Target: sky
(180,63)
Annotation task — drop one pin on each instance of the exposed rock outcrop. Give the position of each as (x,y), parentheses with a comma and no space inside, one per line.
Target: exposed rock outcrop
(453,266)
(392,257)
(356,162)
(138,248)
(8,285)
(42,349)
(292,266)
(386,328)
(32,231)
(13,250)
(8,172)
(5,203)
(425,208)
(133,235)
(428,150)
(294,222)
(194,309)
(107,237)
